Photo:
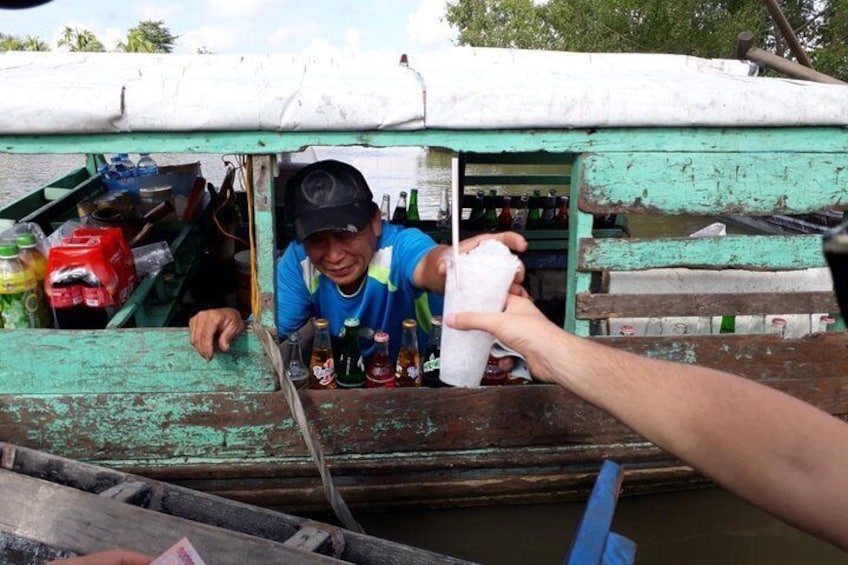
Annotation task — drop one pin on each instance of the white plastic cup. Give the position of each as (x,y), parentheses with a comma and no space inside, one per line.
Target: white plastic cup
(482,285)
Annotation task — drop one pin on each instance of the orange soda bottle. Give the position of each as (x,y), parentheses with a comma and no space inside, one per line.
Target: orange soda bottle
(322,370)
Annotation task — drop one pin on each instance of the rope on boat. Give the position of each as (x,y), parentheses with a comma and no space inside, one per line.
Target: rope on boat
(269,344)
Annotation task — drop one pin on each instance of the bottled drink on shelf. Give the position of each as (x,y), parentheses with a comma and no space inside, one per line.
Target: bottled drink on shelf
(490,215)
(549,209)
(18,299)
(494,375)
(380,372)
(412,216)
(399,215)
(627,330)
(519,216)
(534,214)
(294,369)
(778,327)
(443,219)
(432,355)
(826,323)
(146,166)
(505,217)
(36,263)
(561,218)
(680,328)
(408,369)
(322,370)
(351,371)
(385,208)
(728,325)
(478,210)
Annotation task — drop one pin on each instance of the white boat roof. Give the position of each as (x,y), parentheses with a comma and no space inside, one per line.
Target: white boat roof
(457,88)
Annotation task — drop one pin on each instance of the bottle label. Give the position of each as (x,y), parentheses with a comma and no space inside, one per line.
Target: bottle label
(432,364)
(326,373)
(13,283)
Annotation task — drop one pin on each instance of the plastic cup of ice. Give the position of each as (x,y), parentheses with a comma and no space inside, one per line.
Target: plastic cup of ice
(479,283)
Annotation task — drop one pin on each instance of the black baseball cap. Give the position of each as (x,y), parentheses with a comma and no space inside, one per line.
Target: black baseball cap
(328,195)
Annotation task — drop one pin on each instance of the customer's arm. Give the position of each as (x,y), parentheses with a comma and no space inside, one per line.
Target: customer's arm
(772,449)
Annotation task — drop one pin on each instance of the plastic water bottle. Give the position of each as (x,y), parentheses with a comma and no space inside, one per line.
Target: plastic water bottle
(118,169)
(129,166)
(146,165)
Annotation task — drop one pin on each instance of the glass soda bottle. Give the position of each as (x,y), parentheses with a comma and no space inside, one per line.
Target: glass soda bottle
(505,217)
(399,216)
(412,216)
(322,370)
(33,260)
(408,369)
(490,215)
(493,375)
(549,208)
(385,208)
(295,370)
(432,355)
(519,218)
(478,210)
(18,299)
(380,373)
(561,218)
(351,371)
(534,215)
(443,219)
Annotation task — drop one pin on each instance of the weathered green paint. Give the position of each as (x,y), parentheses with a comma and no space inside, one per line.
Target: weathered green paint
(52,362)
(729,252)
(824,140)
(580,226)
(713,183)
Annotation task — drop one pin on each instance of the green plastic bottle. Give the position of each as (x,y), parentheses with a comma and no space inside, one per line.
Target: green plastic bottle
(18,299)
(33,260)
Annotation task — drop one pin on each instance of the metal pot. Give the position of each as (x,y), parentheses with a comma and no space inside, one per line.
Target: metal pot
(136,229)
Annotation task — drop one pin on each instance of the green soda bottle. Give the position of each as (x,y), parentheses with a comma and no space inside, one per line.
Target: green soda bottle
(18,299)
(412,215)
(350,372)
(728,325)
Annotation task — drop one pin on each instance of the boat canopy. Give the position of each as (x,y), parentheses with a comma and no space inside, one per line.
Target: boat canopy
(457,88)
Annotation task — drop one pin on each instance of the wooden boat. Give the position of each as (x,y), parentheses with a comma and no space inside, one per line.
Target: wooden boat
(643,134)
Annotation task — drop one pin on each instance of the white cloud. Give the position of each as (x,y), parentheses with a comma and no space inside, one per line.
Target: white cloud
(151,10)
(426,26)
(217,39)
(285,36)
(243,9)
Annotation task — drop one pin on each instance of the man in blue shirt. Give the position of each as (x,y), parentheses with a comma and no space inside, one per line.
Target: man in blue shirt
(345,263)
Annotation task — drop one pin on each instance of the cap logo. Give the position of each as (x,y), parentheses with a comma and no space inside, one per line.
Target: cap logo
(319,187)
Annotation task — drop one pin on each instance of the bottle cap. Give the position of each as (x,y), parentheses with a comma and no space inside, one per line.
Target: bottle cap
(627,330)
(8,250)
(826,319)
(25,240)
(351,322)
(778,322)
(381,337)
(410,324)
(321,323)
(403,193)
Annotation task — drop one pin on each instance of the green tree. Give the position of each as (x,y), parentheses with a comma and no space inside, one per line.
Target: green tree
(10,43)
(80,40)
(149,37)
(692,27)
(34,43)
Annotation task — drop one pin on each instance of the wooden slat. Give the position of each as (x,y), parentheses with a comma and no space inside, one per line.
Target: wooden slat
(753,252)
(126,491)
(713,183)
(517,179)
(51,514)
(590,306)
(308,539)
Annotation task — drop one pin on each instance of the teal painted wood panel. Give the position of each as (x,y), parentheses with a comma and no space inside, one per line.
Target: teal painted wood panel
(824,140)
(754,252)
(713,183)
(125,361)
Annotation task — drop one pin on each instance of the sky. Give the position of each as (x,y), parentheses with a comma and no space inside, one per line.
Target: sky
(249,26)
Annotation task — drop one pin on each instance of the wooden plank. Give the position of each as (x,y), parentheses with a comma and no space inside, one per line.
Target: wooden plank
(127,491)
(51,514)
(308,539)
(594,528)
(824,139)
(590,305)
(517,179)
(128,360)
(714,183)
(751,252)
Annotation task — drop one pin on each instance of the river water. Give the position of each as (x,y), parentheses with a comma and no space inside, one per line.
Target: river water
(707,526)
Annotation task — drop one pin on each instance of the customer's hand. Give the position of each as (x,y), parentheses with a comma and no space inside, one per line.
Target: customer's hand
(111,557)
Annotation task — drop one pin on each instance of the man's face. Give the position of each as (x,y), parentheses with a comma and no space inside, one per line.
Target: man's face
(343,257)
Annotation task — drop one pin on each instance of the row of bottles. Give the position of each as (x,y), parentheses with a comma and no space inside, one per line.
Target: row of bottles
(361,363)
(775,325)
(121,167)
(529,212)
(22,303)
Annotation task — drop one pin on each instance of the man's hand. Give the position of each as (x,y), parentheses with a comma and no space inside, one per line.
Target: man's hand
(208,326)
(430,272)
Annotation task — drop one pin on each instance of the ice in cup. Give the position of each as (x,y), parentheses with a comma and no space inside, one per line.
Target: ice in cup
(479,284)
